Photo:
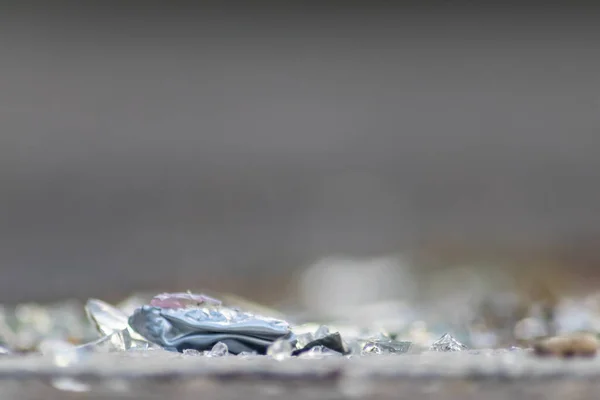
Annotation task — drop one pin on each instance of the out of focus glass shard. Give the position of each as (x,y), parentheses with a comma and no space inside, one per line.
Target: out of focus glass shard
(385,346)
(280,349)
(447,343)
(108,319)
(65,355)
(116,341)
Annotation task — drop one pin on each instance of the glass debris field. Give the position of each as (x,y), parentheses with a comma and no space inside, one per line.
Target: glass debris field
(94,347)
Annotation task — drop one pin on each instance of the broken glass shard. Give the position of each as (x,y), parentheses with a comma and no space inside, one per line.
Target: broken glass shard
(371,348)
(219,350)
(182,300)
(280,349)
(116,341)
(192,352)
(304,339)
(321,332)
(202,328)
(385,346)
(447,343)
(332,342)
(108,319)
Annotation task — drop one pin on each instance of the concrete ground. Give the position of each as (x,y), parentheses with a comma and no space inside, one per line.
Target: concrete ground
(161,375)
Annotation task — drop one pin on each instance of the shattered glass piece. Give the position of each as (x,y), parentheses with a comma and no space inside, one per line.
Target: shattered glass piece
(304,339)
(108,319)
(396,346)
(219,350)
(116,341)
(447,343)
(321,332)
(202,328)
(371,348)
(192,352)
(332,342)
(182,300)
(280,349)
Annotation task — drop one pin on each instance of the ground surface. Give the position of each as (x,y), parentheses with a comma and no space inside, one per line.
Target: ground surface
(433,376)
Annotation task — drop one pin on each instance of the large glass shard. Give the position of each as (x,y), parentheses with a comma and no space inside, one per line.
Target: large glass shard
(447,343)
(202,328)
(383,346)
(321,332)
(108,319)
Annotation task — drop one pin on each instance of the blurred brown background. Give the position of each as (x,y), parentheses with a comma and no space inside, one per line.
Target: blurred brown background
(169,147)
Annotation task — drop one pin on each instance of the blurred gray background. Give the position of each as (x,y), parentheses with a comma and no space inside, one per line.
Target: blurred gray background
(147,147)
